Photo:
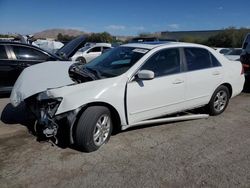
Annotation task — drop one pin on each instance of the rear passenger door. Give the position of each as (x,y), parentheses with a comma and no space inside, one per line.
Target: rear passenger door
(203,75)
(27,56)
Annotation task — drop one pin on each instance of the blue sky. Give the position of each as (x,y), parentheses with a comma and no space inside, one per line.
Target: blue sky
(125,17)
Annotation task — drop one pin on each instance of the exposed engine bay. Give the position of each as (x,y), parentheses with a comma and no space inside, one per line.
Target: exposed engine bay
(44,107)
(80,74)
(47,124)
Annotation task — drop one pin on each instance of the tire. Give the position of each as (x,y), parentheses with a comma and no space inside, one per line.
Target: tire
(81,59)
(219,101)
(93,128)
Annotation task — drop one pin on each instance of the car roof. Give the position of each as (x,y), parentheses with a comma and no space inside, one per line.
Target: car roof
(103,44)
(16,43)
(22,44)
(152,45)
(28,45)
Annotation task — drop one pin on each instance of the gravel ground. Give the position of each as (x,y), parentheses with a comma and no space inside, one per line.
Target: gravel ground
(213,152)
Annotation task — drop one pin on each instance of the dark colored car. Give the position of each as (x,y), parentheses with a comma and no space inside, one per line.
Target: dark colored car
(150,39)
(245,57)
(14,57)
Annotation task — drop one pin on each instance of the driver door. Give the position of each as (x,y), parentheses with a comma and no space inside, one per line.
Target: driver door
(161,95)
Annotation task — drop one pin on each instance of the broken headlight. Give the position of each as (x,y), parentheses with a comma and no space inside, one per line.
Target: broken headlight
(47,104)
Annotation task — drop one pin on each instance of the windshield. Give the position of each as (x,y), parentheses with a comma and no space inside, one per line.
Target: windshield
(116,61)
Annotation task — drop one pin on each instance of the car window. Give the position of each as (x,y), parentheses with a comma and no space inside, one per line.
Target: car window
(164,62)
(3,54)
(105,48)
(25,53)
(197,58)
(96,49)
(116,61)
(215,62)
(235,52)
(84,49)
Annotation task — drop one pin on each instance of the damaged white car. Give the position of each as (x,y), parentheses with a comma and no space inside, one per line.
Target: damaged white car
(130,85)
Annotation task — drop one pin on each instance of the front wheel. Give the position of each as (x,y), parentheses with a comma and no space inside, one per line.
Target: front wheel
(93,128)
(219,101)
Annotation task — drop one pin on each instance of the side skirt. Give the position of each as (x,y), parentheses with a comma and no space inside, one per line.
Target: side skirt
(166,120)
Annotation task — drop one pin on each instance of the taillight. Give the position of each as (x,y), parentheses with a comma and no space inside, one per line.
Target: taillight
(242,69)
(245,65)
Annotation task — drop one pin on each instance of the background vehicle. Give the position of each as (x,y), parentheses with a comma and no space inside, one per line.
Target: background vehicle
(223,50)
(14,57)
(127,86)
(245,57)
(48,45)
(88,53)
(150,39)
(234,54)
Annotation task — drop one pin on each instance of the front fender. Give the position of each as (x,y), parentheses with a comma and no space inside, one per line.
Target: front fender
(110,91)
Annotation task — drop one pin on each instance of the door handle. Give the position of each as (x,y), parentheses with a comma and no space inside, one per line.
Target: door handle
(25,64)
(178,81)
(216,73)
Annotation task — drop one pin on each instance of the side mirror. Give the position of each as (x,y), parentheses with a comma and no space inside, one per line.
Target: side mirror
(145,75)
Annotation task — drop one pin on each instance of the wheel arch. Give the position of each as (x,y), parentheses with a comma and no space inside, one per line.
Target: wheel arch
(114,113)
(229,87)
(81,57)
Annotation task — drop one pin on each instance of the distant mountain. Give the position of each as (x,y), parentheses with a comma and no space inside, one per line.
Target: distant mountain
(52,33)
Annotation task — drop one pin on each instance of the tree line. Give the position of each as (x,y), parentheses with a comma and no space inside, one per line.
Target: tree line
(94,37)
(229,37)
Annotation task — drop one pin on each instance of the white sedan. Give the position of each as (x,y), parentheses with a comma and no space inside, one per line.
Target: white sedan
(234,54)
(88,53)
(130,85)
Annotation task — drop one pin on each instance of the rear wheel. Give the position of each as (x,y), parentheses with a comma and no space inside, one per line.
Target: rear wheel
(219,101)
(93,128)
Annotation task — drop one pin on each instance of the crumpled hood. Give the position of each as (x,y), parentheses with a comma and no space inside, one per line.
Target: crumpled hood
(40,77)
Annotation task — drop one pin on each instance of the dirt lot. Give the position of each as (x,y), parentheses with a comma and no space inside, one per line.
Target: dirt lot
(213,152)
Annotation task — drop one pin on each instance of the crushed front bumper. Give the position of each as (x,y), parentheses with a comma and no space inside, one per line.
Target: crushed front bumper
(47,123)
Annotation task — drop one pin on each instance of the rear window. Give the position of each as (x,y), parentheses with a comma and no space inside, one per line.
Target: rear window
(215,62)
(3,54)
(25,53)
(197,58)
